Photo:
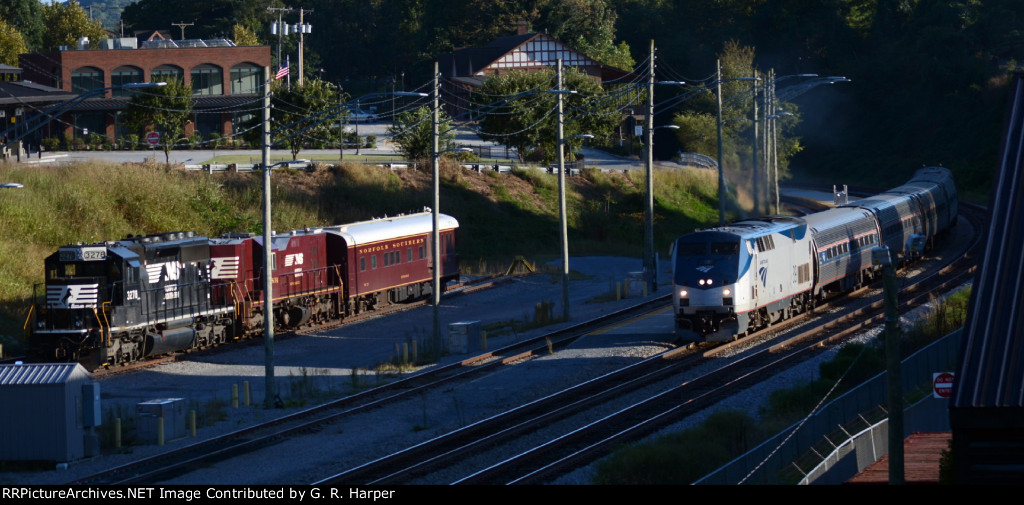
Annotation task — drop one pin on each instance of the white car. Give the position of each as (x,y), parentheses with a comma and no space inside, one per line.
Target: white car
(361,116)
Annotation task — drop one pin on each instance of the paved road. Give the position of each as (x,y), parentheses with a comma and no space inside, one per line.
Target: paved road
(464,137)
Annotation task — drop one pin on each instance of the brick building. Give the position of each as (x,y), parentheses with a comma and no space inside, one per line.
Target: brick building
(226,81)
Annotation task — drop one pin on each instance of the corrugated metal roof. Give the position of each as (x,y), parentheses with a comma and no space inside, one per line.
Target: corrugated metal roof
(36,373)
(992,370)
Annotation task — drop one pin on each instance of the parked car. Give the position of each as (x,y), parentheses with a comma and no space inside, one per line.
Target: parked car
(12,185)
(361,116)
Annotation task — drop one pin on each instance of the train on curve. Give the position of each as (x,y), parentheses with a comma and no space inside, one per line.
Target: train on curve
(733,280)
(117,302)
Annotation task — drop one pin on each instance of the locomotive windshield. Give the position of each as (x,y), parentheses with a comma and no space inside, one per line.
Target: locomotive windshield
(707,255)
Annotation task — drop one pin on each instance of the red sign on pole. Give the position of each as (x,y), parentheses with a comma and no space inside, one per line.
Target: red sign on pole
(153,138)
(942,384)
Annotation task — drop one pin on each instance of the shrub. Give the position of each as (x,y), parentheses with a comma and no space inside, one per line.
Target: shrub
(51,144)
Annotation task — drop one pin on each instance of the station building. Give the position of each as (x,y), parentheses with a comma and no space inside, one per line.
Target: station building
(226,80)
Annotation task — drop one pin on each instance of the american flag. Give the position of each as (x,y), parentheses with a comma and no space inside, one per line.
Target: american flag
(282,73)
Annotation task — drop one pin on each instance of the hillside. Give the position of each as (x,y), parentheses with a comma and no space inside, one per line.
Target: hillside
(501,216)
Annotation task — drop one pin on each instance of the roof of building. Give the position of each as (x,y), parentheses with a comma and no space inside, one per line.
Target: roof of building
(38,373)
(22,92)
(522,51)
(992,371)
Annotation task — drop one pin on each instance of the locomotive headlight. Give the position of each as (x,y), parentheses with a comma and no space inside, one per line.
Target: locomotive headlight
(726,292)
(709,282)
(701,282)
(683,293)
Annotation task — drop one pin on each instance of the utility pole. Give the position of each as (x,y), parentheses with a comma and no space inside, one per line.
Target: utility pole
(650,268)
(883,256)
(182,26)
(753,90)
(303,30)
(721,173)
(268,265)
(435,238)
(563,225)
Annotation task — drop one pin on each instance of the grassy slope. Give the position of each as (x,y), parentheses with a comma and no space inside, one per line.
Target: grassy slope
(501,216)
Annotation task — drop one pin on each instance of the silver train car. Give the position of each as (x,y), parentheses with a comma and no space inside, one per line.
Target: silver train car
(733,280)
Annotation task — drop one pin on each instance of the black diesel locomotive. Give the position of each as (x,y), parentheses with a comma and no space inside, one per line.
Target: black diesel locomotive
(120,301)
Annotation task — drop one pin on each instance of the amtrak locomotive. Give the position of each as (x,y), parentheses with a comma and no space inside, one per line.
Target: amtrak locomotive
(733,280)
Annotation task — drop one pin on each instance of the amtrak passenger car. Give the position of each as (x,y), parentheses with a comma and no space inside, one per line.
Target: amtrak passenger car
(735,279)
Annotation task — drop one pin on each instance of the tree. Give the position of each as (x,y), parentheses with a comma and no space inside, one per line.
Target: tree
(413,133)
(163,109)
(300,116)
(25,16)
(11,44)
(66,23)
(243,36)
(589,27)
(523,114)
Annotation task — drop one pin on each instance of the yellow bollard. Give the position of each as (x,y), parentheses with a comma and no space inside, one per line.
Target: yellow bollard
(192,423)
(245,389)
(160,431)
(117,433)
(234,396)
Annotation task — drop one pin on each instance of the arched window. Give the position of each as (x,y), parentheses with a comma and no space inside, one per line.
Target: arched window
(246,78)
(124,75)
(165,73)
(207,80)
(85,79)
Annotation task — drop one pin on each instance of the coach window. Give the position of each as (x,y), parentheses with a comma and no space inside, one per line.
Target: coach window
(362,264)
(409,255)
(373,261)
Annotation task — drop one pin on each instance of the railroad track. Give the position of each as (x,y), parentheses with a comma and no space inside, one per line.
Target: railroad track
(167,465)
(574,444)
(463,444)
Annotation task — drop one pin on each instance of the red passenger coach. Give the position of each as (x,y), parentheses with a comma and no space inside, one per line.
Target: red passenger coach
(388,260)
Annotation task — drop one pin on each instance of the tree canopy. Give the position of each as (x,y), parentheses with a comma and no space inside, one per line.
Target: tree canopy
(11,44)
(519,109)
(413,133)
(163,109)
(302,115)
(66,23)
